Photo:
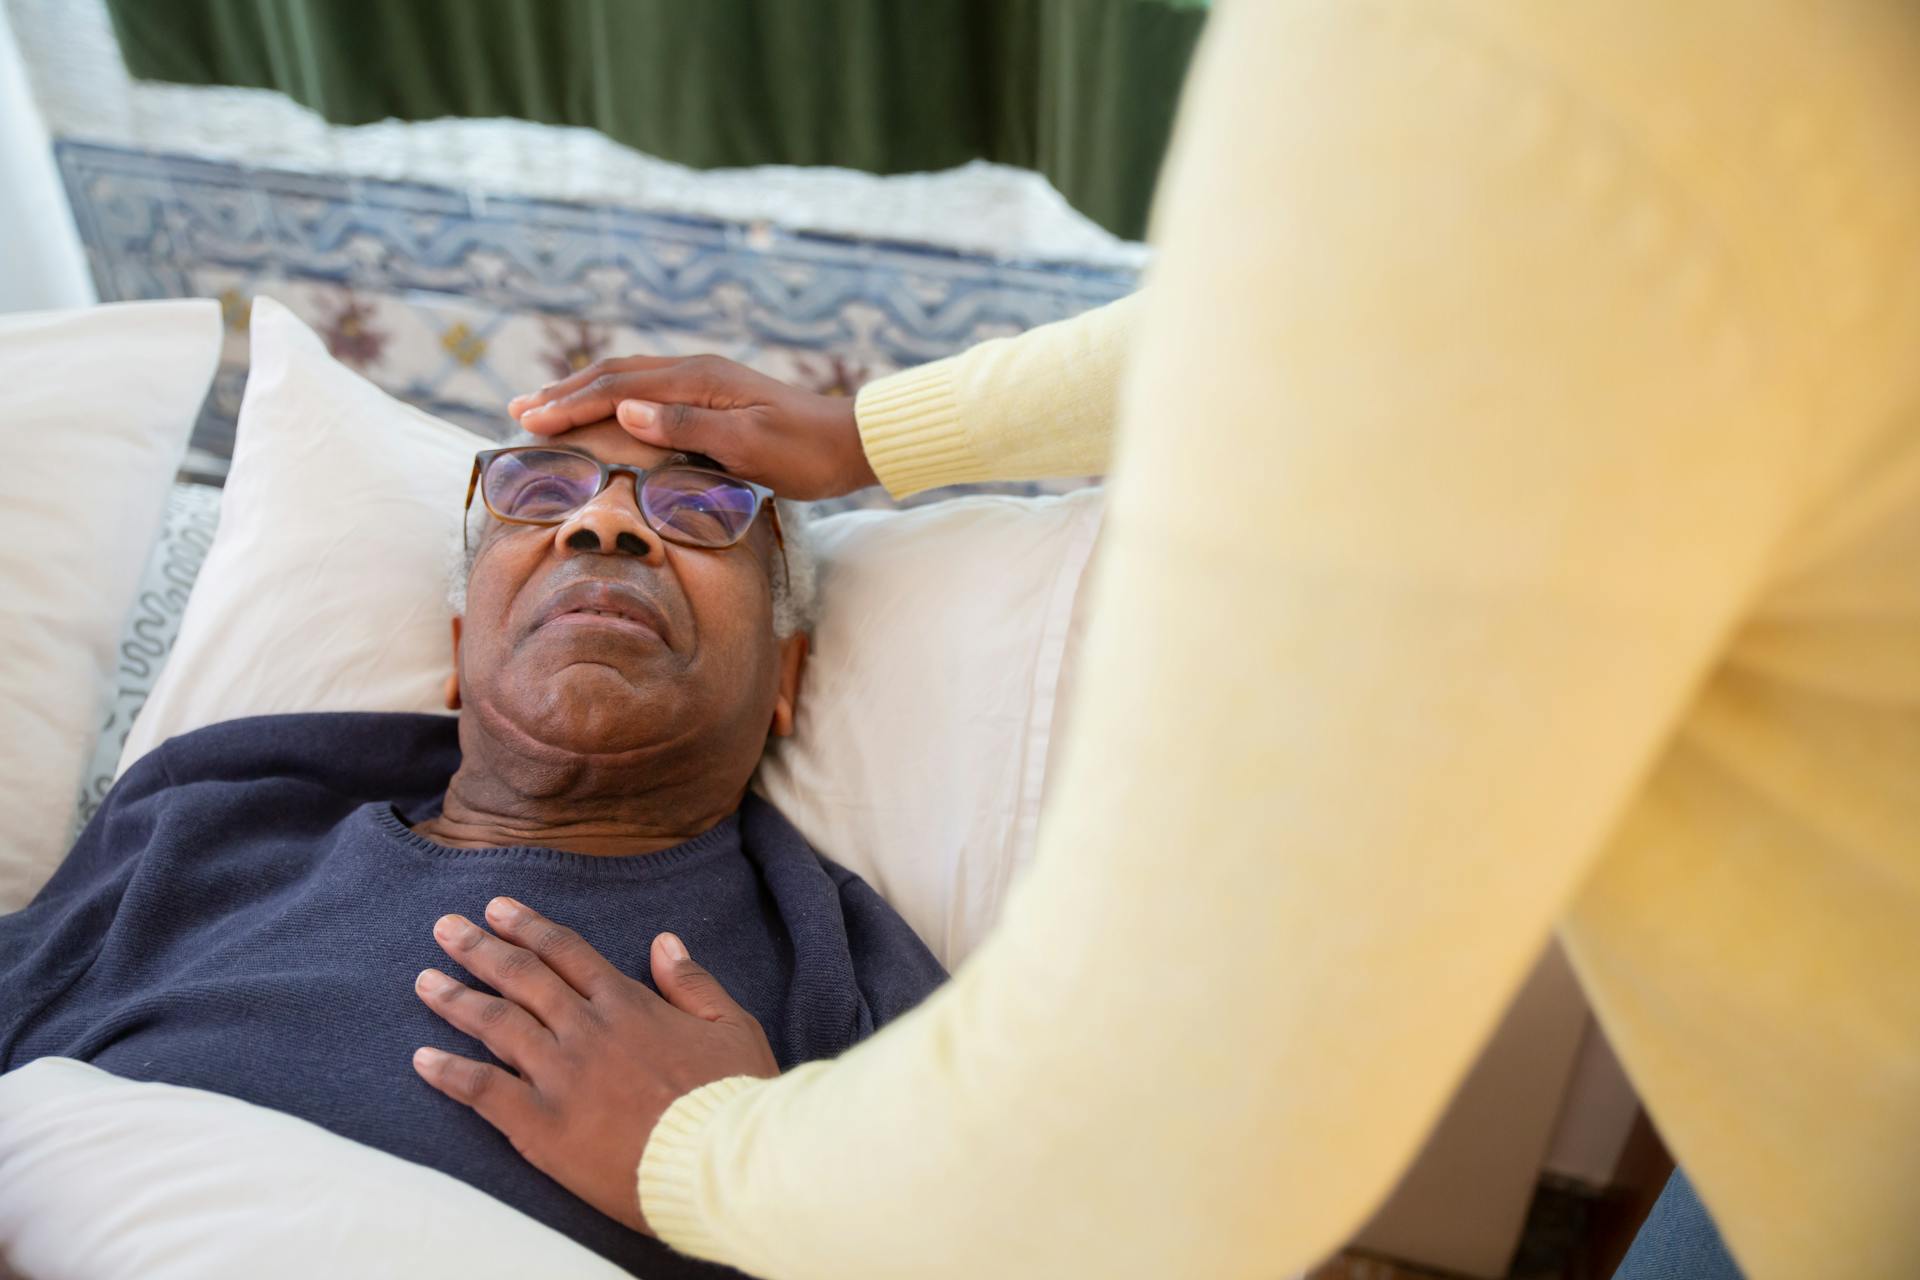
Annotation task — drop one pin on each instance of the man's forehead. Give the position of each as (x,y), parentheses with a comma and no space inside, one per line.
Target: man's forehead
(609,442)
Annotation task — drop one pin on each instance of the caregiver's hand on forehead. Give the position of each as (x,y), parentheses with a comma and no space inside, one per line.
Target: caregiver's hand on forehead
(798,443)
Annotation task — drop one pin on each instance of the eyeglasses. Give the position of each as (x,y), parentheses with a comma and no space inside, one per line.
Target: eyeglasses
(689,505)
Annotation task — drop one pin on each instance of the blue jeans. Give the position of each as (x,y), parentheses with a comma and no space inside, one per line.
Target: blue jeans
(1678,1241)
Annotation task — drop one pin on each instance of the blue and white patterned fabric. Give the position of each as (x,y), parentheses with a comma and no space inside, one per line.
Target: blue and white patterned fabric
(456,301)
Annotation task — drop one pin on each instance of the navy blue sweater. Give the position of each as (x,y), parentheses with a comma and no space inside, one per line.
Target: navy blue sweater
(248,909)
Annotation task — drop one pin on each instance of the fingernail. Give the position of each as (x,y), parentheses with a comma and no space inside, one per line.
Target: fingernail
(427,1059)
(505,910)
(675,949)
(432,981)
(636,413)
(455,927)
(516,402)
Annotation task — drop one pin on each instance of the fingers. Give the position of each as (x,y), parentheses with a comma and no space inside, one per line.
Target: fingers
(503,1026)
(714,432)
(688,987)
(595,398)
(503,1100)
(520,975)
(558,949)
(581,377)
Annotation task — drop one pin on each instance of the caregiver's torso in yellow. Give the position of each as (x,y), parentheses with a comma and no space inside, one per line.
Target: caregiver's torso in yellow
(1515,522)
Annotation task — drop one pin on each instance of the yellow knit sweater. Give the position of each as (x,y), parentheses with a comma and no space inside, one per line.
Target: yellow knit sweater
(1514,523)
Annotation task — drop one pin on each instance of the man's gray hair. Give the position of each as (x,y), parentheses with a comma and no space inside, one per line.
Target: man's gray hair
(793,591)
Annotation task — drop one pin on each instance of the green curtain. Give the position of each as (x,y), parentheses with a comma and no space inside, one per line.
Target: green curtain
(1081,90)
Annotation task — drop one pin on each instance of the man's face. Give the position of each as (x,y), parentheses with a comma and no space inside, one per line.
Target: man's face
(598,637)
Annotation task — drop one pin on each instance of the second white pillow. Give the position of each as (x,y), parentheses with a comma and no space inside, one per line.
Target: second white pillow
(325,587)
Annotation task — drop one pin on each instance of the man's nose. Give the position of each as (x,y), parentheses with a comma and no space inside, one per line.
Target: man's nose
(610,525)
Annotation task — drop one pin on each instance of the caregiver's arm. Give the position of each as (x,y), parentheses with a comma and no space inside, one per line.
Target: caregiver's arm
(1022,408)
(1447,459)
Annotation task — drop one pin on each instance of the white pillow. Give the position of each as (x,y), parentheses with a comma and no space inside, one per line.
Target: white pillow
(325,587)
(920,749)
(924,719)
(110,1179)
(98,404)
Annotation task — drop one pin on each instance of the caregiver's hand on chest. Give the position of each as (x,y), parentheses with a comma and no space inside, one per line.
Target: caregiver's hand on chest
(599,1056)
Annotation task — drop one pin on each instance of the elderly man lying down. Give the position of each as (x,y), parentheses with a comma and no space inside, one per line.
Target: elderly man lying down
(256,907)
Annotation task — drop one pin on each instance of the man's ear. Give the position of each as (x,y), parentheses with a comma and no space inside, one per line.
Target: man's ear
(453,681)
(793,660)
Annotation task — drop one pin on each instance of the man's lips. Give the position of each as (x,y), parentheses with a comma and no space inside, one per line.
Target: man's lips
(603,603)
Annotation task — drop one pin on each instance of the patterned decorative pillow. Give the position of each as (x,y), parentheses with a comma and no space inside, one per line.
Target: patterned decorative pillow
(193,511)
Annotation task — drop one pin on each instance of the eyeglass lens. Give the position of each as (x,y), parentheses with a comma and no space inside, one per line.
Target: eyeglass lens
(686,504)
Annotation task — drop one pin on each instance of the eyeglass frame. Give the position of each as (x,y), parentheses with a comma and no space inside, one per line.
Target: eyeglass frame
(763,497)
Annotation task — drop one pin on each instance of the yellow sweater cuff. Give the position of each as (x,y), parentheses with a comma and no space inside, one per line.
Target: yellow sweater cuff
(670,1168)
(910,427)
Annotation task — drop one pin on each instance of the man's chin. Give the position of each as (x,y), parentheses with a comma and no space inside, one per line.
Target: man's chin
(587,707)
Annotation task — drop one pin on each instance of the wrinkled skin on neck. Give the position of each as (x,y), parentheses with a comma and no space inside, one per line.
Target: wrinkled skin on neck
(615,690)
